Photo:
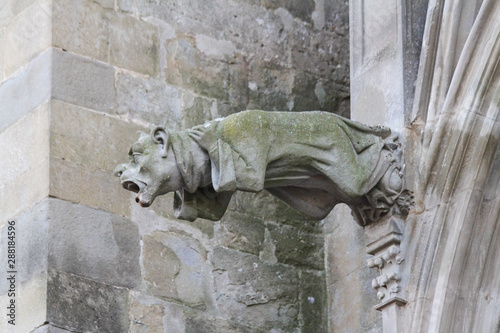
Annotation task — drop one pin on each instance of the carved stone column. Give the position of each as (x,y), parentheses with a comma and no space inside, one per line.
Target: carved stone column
(385,38)
(383,241)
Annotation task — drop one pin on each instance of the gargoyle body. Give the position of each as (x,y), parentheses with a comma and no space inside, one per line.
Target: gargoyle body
(310,160)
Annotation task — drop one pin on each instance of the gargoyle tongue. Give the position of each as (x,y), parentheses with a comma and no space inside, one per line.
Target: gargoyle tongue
(144,199)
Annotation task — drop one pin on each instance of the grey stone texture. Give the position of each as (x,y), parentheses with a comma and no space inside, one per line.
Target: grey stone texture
(25,90)
(83,305)
(83,81)
(113,239)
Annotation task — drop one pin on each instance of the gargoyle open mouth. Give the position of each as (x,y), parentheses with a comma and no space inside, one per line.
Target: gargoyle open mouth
(131,186)
(142,198)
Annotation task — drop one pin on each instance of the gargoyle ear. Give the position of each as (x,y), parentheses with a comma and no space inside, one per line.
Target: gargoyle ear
(160,136)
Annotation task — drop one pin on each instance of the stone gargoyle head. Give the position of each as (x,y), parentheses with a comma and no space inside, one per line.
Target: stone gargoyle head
(152,169)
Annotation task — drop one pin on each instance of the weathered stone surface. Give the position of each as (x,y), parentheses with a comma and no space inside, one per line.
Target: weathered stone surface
(11,8)
(344,244)
(81,27)
(146,314)
(253,293)
(83,305)
(27,35)
(126,5)
(133,44)
(319,94)
(25,163)
(50,329)
(148,99)
(197,110)
(272,209)
(351,303)
(301,9)
(184,62)
(109,253)
(106,35)
(270,87)
(151,315)
(88,186)
(26,144)
(337,19)
(160,215)
(88,138)
(175,268)
(2,54)
(83,81)
(313,299)
(31,244)
(241,232)
(26,90)
(295,247)
(196,323)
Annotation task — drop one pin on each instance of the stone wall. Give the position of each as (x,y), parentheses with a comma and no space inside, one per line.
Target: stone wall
(77,80)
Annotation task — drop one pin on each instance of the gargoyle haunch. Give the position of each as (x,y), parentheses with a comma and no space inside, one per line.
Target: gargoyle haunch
(310,160)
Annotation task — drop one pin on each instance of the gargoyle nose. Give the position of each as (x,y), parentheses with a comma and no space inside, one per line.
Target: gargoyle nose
(119,169)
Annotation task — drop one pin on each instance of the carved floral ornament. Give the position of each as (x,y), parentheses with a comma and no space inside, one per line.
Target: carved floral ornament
(310,160)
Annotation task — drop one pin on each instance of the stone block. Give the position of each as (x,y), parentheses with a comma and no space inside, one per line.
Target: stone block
(31,245)
(337,18)
(89,138)
(250,292)
(109,251)
(25,163)
(313,299)
(160,215)
(133,44)
(81,27)
(175,268)
(25,144)
(83,305)
(329,51)
(190,68)
(270,87)
(295,247)
(241,232)
(15,197)
(344,244)
(31,306)
(313,93)
(271,208)
(149,314)
(27,35)
(96,31)
(198,323)
(189,16)
(197,110)
(11,8)
(301,9)
(350,304)
(26,90)
(88,186)
(83,81)
(148,99)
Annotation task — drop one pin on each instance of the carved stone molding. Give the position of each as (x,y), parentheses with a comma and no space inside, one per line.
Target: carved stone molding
(383,241)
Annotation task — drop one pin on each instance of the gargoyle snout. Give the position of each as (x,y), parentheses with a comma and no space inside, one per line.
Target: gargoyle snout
(120,168)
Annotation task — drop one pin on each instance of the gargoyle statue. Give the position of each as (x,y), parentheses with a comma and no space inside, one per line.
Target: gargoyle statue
(310,160)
